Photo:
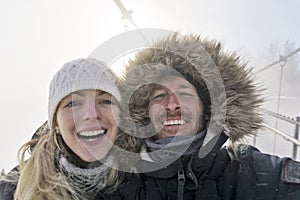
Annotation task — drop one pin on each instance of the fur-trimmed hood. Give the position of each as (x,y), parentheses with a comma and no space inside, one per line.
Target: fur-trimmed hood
(234,98)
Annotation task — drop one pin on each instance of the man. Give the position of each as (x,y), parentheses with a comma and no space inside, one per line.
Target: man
(186,97)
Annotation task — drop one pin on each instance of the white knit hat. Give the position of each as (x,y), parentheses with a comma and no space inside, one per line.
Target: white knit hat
(77,75)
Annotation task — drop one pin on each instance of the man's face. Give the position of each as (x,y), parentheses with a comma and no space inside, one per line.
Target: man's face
(175,108)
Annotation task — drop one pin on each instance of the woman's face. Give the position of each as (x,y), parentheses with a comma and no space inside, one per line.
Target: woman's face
(88,122)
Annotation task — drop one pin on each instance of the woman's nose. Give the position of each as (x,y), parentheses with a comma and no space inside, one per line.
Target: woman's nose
(90,112)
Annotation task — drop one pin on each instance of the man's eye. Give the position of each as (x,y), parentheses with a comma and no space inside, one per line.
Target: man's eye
(159,96)
(186,94)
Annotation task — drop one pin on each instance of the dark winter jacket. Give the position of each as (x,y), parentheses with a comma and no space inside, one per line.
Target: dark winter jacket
(252,175)
(7,190)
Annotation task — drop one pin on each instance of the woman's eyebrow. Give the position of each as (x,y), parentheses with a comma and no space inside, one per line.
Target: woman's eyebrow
(100,92)
(79,93)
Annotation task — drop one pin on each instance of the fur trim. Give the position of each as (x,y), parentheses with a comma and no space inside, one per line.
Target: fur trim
(234,97)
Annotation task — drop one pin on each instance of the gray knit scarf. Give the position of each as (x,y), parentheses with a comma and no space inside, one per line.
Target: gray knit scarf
(174,146)
(85,182)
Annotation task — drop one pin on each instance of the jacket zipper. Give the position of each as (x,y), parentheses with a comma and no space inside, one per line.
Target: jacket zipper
(181,181)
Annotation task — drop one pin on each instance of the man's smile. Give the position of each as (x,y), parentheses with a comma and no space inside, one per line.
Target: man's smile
(173,122)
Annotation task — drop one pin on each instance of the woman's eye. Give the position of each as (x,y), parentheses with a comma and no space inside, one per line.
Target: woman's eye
(106,102)
(72,104)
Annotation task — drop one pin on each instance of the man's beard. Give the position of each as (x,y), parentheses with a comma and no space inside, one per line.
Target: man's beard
(190,128)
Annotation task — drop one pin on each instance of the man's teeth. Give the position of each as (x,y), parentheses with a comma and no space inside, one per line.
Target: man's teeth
(173,122)
(91,135)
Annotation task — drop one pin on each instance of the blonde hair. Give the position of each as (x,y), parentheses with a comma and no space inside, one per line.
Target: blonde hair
(38,177)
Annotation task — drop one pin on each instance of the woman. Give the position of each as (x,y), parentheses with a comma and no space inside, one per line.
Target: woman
(73,161)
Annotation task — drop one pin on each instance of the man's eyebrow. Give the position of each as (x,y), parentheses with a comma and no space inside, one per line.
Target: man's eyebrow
(184,86)
(159,87)
(181,86)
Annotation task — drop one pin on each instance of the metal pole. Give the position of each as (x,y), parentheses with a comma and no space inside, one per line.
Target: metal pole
(126,13)
(296,136)
(276,62)
(279,93)
(283,118)
(283,134)
(282,62)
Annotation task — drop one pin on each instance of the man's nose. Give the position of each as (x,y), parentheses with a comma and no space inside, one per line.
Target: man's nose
(172,103)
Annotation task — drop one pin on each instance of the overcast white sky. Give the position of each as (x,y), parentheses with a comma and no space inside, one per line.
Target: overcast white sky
(37,37)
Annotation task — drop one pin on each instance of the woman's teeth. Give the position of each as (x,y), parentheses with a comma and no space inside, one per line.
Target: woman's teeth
(91,135)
